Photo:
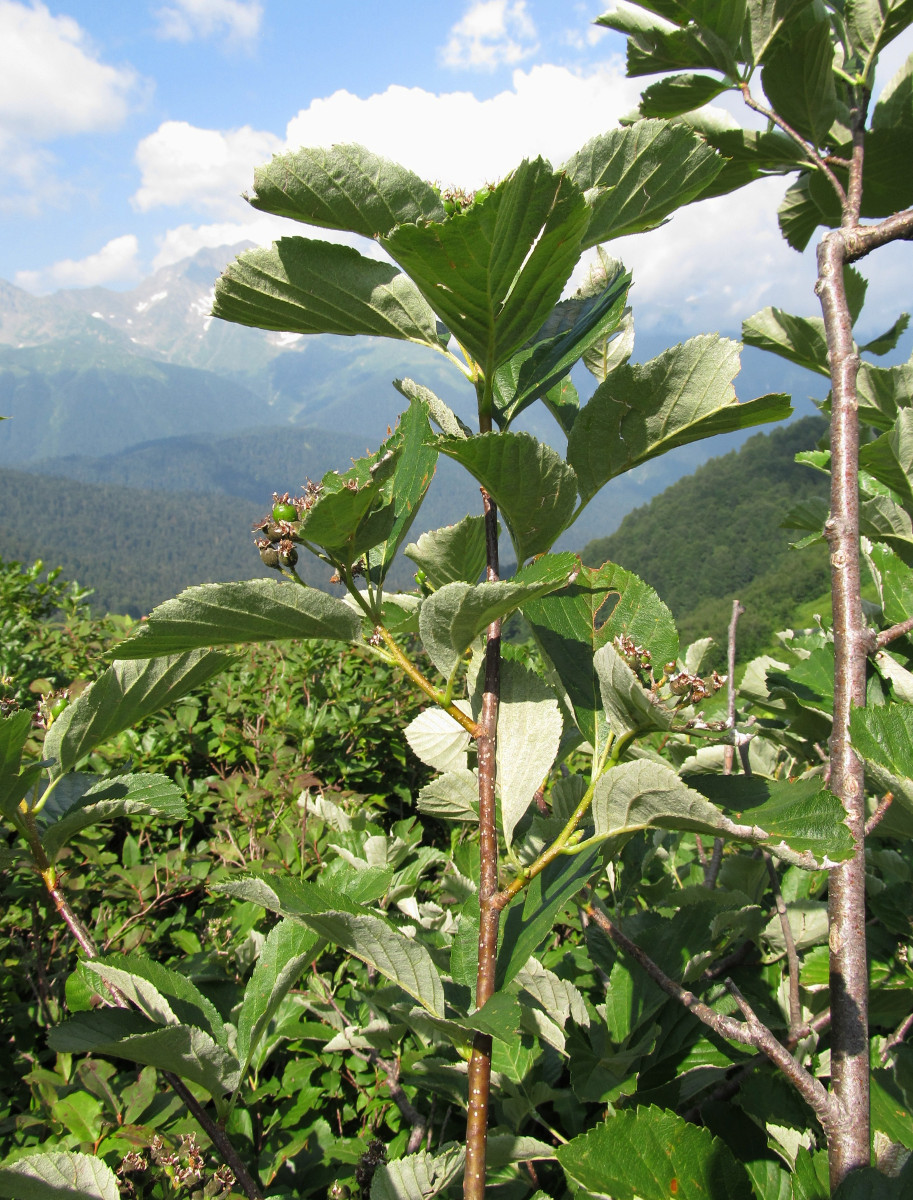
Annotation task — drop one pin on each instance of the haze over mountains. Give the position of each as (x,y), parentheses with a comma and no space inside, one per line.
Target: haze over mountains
(145,390)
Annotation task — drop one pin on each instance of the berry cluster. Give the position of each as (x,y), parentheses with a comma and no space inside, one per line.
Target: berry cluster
(683,687)
(279,529)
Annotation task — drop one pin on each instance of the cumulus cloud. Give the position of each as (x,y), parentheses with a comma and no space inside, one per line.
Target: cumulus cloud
(185,240)
(207,169)
(116,262)
(184,20)
(52,82)
(491,33)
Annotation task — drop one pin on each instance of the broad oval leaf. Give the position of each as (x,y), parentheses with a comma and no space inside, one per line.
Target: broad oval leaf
(453,554)
(121,697)
(112,796)
(224,614)
(800,340)
(301,285)
(59,1175)
(344,187)
(437,739)
(529,732)
(288,949)
(533,487)
(629,707)
(165,996)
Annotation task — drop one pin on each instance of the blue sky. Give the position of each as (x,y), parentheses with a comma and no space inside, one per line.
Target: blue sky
(129,130)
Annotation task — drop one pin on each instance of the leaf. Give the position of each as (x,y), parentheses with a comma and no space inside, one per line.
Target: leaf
(883,392)
(451,797)
(114,796)
(572,328)
(644,410)
(493,272)
(442,415)
(889,458)
(801,340)
(121,697)
(300,285)
(654,1155)
(344,187)
(411,479)
(573,624)
(680,94)
(529,731)
(454,554)
(871,25)
(533,487)
(183,1049)
(890,1113)
(437,739)
(558,997)
(14,733)
(288,949)
(798,215)
(451,619)
(628,706)
(887,341)
(603,358)
(165,996)
(798,80)
(59,1175)
(224,614)
(417,1176)
(639,175)
(527,925)
(894,580)
(868,1183)
(883,734)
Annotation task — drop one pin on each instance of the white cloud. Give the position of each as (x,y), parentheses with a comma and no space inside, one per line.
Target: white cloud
(206,169)
(491,33)
(116,262)
(52,82)
(186,240)
(184,20)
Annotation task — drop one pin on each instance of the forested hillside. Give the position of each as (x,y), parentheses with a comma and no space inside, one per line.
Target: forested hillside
(717,534)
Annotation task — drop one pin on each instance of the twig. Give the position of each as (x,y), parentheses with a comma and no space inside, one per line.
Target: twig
(879,814)
(902,1030)
(808,150)
(751,1032)
(792,957)
(895,631)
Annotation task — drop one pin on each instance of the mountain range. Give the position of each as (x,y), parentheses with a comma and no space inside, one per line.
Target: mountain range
(144,390)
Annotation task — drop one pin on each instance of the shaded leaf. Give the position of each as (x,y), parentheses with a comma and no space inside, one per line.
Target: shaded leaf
(112,796)
(629,707)
(453,554)
(883,734)
(59,1175)
(800,340)
(679,94)
(288,949)
(165,996)
(451,797)
(798,80)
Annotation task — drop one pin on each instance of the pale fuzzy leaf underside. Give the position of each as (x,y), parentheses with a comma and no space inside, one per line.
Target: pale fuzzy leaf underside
(529,732)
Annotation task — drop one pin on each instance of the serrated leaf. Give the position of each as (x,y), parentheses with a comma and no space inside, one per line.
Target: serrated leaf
(442,415)
(115,796)
(636,176)
(183,1049)
(798,80)
(343,187)
(680,94)
(300,285)
(894,580)
(653,1154)
(573,624)
(889,458)
(871,25)
(529,732)
(437,739)
(224,614)
(165,996)
(59,1175)
(533,487)
(121,697)
(452,618)
(887,341)
(883,392)
(628,706)
(800,340)
(883,734)
(558,997)
(411,479)
(572,328)
(493,272)
(454,554)
(288,949)
(451,797)
(417,1176)
(609,354)
(644,410)
(798,216)
(14,733)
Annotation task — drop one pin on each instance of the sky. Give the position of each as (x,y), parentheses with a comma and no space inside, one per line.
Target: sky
(130,130)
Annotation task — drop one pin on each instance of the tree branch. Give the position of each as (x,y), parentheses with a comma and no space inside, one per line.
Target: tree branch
(863,239)
(792,957)
(807,149)
(895,631)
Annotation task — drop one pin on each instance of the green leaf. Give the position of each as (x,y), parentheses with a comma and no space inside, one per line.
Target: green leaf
(871,25)
(411,479)
(890,1113)
(115,796)
(894,580)
(451,797)
(890,458)
(224,614)
(417,1176)
(288,949)
(572,329)
(300,285)
(766,19)
(800,340)
(183,1049)
(654,1155)
(529,732)
(438,740)
(125,694)
(643,410)
(344,187)
(883,735)
(629,707)
(14,733)
(883,392)
(533,487)
(639,175)
(656,44)
(607,355)
(493,272)
(442,415)
(558,997)
(452,618)
(59,1175)
(680,94)
(887,341)
(798,215)
(165,996)
(894,109)
(868,1183)
(526,925)
(454,554)
(602,603)
(798,80)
